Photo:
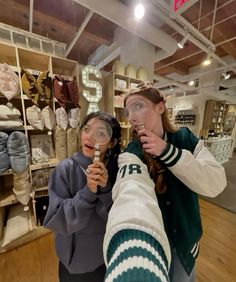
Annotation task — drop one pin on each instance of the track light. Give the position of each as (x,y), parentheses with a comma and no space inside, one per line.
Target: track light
(191,82)
(207,60)
(139,11)
(183,41)
(226,75)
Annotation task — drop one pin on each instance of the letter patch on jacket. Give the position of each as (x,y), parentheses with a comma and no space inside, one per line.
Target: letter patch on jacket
(130,169)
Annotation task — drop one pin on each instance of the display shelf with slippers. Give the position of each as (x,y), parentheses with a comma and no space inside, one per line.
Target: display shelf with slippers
(35,125)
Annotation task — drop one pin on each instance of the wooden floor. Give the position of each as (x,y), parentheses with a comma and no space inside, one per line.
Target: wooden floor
(37,262)
(217,260)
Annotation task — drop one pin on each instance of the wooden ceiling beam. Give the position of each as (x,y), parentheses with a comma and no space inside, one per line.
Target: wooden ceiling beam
(179,68)
(59,29)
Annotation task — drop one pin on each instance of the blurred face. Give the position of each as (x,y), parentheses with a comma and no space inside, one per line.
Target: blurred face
(95,132)
(143,113)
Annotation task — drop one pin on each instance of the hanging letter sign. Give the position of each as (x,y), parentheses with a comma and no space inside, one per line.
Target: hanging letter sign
(92,99)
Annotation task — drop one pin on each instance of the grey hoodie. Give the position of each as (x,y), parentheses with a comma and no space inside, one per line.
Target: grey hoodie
(76,215)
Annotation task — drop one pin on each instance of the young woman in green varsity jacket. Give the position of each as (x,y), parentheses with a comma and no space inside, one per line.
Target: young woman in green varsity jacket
(181,168)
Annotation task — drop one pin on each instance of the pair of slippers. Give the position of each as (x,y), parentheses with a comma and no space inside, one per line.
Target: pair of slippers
(14,152)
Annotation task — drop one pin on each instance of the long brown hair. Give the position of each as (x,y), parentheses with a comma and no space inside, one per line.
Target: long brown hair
(155,168)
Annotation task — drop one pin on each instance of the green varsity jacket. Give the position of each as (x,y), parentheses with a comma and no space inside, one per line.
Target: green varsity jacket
(190,168)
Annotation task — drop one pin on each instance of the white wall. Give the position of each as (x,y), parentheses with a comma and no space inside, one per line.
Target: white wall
(135,51)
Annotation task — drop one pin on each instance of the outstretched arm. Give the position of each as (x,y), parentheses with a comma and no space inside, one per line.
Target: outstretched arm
(135,245)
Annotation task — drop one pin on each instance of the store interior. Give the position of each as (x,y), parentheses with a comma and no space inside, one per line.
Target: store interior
(187,49)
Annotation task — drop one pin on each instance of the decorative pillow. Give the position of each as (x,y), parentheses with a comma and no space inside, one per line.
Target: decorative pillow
(61,118)
(60,91)
(34,117)
(118,67)
(48,117)
(40,177)
(9,112)
(19,151)
(73,98)
(72,141)
(74,117)
(4,157)
(44,85)
(29,86)
(60,143)
(130,71)
(22,187)
(9,82)
(142,74)
(41,148)
(10,124)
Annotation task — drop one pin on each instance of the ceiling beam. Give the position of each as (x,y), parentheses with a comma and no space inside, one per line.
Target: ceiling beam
(179,68)
(79,32)
(31,15)
(63,29)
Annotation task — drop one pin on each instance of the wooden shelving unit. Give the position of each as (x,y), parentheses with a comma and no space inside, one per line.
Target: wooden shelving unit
(218,123)
(35,62)
(213,123)
(185,117)
(219,119)
(116,86)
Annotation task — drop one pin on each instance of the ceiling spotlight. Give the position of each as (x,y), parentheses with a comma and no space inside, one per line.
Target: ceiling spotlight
(139,11)
(183,41)
(226,75)
(191,82)
(207,60)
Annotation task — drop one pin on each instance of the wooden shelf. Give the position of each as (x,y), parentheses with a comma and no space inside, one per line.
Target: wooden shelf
(217,119)
(8,172)
(50,163)
(35,62)
(7,198)
(114,95)
(45,188)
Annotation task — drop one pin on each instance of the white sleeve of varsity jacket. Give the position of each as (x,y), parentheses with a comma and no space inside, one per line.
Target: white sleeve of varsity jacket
(135,203)
(199,171)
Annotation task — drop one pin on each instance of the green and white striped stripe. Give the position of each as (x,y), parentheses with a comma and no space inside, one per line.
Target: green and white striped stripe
(171,155)
(135,256)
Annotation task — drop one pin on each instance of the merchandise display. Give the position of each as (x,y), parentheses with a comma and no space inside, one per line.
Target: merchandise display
(116,86)
(185,117)
(165,71)
(142,74)
(130,71)
(9,82)
(29,145)
(41,124)
(118,67)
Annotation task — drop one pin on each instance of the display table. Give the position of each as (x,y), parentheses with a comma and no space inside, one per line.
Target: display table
(220,148)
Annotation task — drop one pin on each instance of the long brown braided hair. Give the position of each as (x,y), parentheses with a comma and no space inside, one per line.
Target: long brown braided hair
(155,168)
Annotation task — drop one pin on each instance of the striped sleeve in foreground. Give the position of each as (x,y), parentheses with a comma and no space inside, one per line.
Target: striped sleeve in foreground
(135,256)
(170,155)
